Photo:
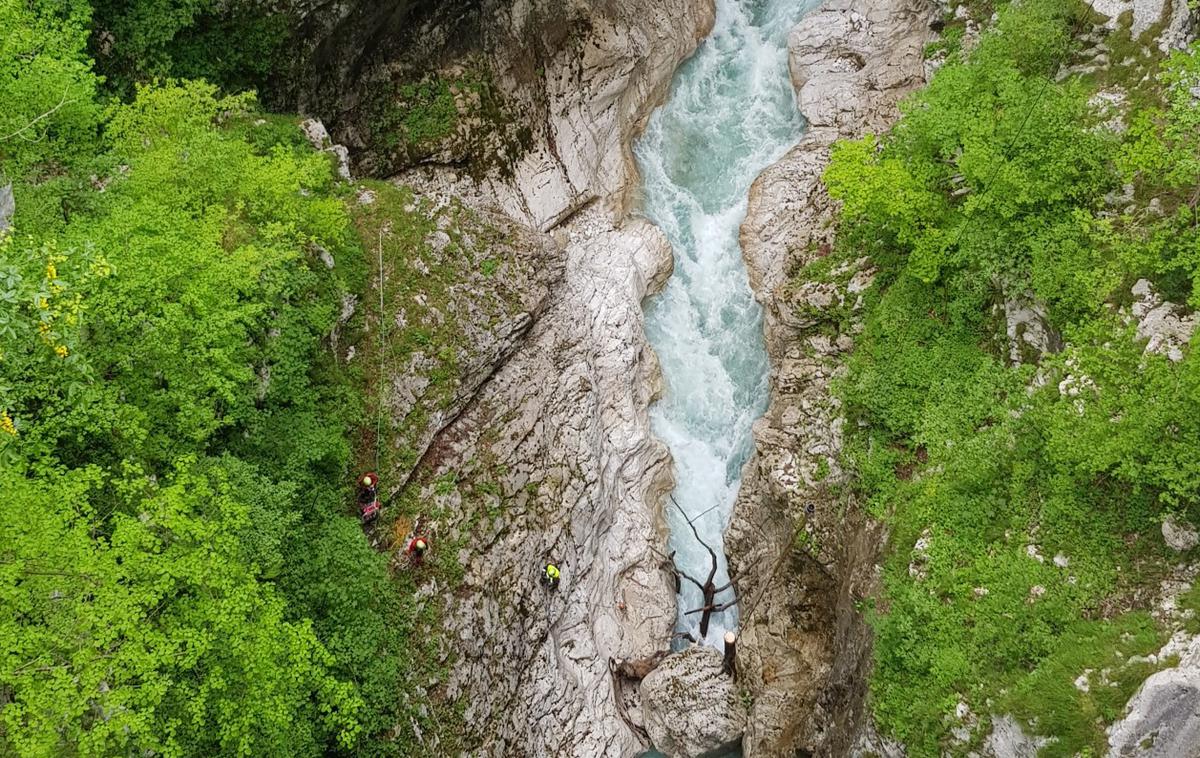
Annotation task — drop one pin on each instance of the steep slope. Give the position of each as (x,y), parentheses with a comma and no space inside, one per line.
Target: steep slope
(801,553)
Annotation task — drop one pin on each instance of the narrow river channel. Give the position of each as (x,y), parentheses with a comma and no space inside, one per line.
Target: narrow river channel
(730,114)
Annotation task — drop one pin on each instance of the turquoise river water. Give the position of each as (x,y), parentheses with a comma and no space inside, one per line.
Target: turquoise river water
(731,113)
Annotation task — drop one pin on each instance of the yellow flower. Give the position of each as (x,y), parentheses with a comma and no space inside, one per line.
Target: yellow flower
(61,351)
(6,424)
(43,327)
(43,302)
(51,272)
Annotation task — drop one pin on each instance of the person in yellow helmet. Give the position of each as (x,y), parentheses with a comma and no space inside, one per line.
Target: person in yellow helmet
(550,576)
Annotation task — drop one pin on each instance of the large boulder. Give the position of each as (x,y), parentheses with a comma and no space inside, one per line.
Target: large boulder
(690,705)
(1163,718)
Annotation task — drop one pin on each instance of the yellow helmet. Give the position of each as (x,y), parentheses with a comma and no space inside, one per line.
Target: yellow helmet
(552,571)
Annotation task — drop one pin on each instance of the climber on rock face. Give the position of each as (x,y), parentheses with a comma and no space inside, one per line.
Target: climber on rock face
(550,576)
(417,548)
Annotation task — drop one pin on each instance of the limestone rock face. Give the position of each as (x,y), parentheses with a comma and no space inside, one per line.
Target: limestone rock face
(565,87)
(1171,16)
(801,554)
(1163,718)
(691,706)
(1030,334)
(600,85)
(1179,535)
(1009,740)
(318,137)
(7,206)
(1166,327)
(546,452)
(556,461)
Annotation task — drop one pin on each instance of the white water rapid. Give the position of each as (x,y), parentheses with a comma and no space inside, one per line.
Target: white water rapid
(730,114)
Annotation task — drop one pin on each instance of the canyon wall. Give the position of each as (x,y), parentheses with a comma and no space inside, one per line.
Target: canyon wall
(549,456)
(535,100)
(802,552)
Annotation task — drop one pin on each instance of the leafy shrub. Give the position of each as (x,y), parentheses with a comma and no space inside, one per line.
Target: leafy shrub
(992,186)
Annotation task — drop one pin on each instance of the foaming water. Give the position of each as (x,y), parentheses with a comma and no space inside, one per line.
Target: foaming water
(730,114)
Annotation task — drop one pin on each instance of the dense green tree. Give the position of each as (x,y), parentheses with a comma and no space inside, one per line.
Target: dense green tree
(236,43)
(181,572)
(148,630)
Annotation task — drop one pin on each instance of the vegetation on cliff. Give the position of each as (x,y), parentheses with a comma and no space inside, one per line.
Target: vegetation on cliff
(1024,492)
(182,572)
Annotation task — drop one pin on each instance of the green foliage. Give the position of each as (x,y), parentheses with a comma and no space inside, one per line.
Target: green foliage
(430,112)
(416,116)
(50,118)
(146,629)
(237,44)
(1162,159)
(174,442)
(991,139)
(1100,652)
(992,185)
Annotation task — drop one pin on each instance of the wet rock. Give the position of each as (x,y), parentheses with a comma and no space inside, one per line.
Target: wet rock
(691,706)
(1163,718)
(584,77)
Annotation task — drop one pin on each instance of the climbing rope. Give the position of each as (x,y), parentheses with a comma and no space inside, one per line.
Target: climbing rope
(382,336)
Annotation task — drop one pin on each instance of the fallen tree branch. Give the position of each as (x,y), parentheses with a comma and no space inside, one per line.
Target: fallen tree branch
(62,101)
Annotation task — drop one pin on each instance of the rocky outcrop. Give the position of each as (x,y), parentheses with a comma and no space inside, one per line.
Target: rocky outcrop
(555,461)
(1166,327)
(691,705)
(318,137)
(536,99)
(548,456)
(800,553)
(462,288)
(1028,328)
(1162,720)
(7,206)
(1179,535)
(1168,20)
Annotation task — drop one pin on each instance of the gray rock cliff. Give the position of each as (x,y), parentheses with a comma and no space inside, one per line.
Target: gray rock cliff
(549,455)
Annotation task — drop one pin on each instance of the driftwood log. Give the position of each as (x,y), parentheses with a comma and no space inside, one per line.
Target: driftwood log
(636,669)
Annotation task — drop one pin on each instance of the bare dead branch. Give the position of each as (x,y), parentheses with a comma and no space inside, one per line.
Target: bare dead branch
(62,101)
